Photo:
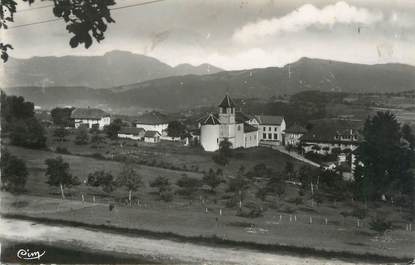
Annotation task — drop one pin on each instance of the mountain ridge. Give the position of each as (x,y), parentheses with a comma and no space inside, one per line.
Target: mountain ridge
(184,91)
(114,68)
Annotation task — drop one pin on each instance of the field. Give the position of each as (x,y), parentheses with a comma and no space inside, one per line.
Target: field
(284,223)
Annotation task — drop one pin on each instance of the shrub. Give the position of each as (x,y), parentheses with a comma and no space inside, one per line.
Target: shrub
(188,185)
(62,150)
(166,195)
(13,172)
(360,213)
(380,224)
(250,210)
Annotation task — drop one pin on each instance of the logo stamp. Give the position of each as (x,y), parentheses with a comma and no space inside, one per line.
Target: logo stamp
(27,254)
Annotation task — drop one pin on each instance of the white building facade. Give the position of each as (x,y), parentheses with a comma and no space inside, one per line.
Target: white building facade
(152,121)
(90,117)
(227,125)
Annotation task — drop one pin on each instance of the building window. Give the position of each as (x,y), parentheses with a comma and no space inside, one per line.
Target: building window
(270,136)
(275,129)
(264,129)
(264,136)
(269,129)
(275,136)
(239,127)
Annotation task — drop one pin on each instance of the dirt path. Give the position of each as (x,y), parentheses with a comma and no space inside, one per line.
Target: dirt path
(26,231)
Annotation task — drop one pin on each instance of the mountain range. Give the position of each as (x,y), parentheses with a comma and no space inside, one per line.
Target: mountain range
(191,90)
(111,69)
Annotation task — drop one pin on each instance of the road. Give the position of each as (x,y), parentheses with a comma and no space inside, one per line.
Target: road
(153,249)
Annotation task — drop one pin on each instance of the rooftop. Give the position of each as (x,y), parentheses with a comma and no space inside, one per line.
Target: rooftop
(295,128)
(210,119)
(131,130)
(88,113)
(249,128)
(269,119)
(152,118)
(151,134)
(227,102)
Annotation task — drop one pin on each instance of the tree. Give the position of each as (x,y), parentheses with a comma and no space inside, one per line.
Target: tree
(239,184)
(86,20)
(380,224)
(212,179)
(289,169)
(15,108)
(113,129)
(28,133)
(82,136)
(62,117)
(276,184)
(97,138)
(164,187)
(176,129)
(102,179)
(58,174)
(60,133)
(408,135)
(225,152)
(383,163)
(13,172)
(188,185)
(130,179)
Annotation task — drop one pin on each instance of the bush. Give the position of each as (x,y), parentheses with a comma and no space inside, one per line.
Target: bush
(62,150)
(380,224)
(28,133)
(166,195)
(81,136)
(98,156)
(13,172)
(188,185)
(250,210)
(360,213)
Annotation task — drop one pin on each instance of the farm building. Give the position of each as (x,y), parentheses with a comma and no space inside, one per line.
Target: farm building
(293,134)
(152,137)
(133,133)
(152,121)
(90,118)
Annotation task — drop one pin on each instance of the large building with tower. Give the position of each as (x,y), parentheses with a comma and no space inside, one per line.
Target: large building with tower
(227,124)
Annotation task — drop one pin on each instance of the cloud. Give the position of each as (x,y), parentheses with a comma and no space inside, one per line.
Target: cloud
(305,17)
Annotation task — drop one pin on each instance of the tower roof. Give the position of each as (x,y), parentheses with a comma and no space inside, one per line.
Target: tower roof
(210,120)
(227,102)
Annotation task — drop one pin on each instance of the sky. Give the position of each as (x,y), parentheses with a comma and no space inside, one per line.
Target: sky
(237,34)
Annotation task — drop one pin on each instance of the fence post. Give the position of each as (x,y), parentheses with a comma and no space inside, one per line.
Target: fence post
(295,218)
(220,211)
(311,220)
(280,217)
(93,199)
(291,218)
(325,221)
(82,196)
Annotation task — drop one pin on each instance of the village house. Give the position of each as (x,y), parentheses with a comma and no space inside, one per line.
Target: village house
(270,128)
(90,118)
(152,121)
(229,125)
(325,140)
(132,133)
(152,137)
(293,134)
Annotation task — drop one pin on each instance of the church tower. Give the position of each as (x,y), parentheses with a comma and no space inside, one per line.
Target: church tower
(227,111)
(227,119)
